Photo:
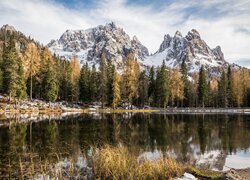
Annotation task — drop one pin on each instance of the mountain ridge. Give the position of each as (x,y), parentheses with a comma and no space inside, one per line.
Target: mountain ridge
(173,49)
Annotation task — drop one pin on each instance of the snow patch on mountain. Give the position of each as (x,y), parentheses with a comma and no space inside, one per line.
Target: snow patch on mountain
(90,44)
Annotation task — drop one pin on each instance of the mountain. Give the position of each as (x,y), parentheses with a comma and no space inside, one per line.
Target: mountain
(190,48)
(90,44)
(6,31)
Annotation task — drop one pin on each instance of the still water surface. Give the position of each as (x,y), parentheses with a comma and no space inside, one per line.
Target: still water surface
(216,142)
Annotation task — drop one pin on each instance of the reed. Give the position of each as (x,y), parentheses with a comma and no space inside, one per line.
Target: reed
(118,163)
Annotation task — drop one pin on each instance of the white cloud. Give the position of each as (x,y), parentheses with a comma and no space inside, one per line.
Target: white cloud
(224,22)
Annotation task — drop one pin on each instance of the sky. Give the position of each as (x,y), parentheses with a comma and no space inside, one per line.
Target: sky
(219,22)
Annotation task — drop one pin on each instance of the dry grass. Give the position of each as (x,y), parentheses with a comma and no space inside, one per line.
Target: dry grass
(118,163)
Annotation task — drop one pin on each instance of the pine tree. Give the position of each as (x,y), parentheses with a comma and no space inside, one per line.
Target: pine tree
(84,83)
(1,72)
(186,82)
(229,87)
(202,87)
(143,88)
(103,80)
(151,88)
(93,84)
(50,82)
(116,90)
(162,86)
(110,76)
(222,90)
(21,91)
(10,69)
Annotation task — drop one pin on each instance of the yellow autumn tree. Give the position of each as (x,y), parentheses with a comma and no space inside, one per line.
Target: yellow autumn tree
(131,78)
(74,78)
(237,88)
(116,90)
(32,63)
(176,86)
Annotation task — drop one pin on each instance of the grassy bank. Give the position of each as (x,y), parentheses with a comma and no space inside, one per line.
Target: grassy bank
(119,163)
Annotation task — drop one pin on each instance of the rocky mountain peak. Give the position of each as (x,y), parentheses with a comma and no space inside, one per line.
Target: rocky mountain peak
(90,44)
(193,34)
(178,34)
(7,27)
(190,48)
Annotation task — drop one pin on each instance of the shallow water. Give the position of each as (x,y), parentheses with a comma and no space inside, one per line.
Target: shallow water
(216,142)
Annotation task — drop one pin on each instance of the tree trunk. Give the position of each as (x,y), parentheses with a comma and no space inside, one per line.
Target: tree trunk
(30,86)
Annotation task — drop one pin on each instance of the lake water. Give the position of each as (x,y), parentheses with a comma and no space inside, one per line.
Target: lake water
(216,142)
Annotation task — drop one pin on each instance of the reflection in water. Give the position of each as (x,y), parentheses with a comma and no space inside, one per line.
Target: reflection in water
(210,141)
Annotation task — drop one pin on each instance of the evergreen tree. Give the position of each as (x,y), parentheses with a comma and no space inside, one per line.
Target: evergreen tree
(116,90)
(93,86)
(50,82)
(162,86)
(222,90)
(202,87)
(151,88)
(143,88)
(103,89)
(110,76)
(84,83)
(229,87)
(186,83)
(10,69)
(21,91)
(1,72)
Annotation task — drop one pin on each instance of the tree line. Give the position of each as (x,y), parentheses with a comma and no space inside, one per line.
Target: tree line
(36,73)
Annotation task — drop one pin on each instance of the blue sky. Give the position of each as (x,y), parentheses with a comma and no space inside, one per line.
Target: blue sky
(220,22)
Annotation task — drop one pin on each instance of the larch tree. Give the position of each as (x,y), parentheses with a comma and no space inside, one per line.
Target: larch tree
(32,64)
(202,87)
(74,78)
(245,79)
(237,88)
(131,78)
(116,90)
(176,86)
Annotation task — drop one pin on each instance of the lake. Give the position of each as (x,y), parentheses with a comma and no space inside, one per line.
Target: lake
(217,142)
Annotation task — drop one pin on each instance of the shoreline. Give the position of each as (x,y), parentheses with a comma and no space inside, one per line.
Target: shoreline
(153,110)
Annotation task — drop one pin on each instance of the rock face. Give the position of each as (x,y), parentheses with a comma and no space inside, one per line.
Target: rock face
(111,40)
(90,44)
(190,48)
(7,27)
